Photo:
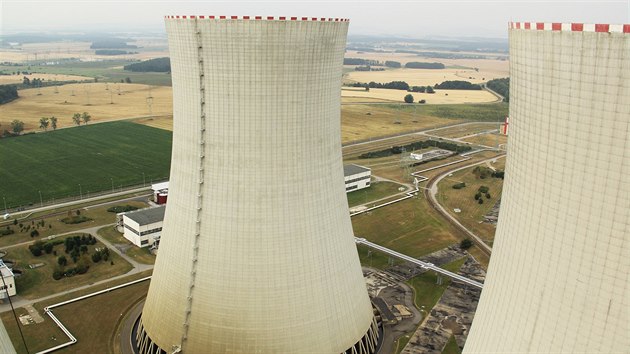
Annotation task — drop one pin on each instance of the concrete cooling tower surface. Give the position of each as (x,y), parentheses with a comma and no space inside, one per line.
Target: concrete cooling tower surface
(257,252)
(559,275)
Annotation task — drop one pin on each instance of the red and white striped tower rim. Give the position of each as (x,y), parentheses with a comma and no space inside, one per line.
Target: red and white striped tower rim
(256,18)
(570,27)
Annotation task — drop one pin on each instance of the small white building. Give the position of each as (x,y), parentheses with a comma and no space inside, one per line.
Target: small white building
(9,280)
(356,177)
(143,227)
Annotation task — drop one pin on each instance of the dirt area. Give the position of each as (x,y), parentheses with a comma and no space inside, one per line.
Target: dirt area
(452,315)
(130,100)
(439,97)
(18,79)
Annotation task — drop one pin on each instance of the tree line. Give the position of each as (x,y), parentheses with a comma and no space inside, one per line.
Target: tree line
(457,85)
(8,93)
(17,126)
(501,86)
(154,65)
(369,62)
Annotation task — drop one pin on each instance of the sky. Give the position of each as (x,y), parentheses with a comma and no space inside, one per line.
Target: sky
(414,19)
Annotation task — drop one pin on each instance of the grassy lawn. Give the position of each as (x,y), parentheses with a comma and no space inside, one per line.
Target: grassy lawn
(139,254)
(486,112)
(377,190)
(488,139)
(95,319)
(39,282)
(451,347)
(471,213)
(463,130)
(410,227)
(54,226)
(94,156)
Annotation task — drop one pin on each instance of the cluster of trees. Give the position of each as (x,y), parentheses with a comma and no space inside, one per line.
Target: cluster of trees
(27,227)
(44,122)
(121,208)
(394,85)
(416,146)
(369,62)
(36,82)
(75,219)
(39,247)
(6,231)
(423,65)
(483,190)
(367,68)
(457,85)
(8,93)
(112,52)
(77,118)
(77,248)
(500,86)
(483,172)
(421,89)
(154,65)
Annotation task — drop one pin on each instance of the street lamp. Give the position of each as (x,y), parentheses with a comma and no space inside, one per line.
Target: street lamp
(80,191)
(41,201)
(5,205)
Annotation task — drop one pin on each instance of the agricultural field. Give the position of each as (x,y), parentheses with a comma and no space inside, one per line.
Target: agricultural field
(86,159)
(471,215)
(110,70)
(439,97)
(129,101)
(56,51)
(38,282)
(18,79)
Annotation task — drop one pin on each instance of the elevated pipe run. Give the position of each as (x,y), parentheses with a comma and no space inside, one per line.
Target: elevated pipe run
(425,265)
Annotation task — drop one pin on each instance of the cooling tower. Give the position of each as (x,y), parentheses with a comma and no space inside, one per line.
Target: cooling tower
(559,274)
(257,252)
(6,347)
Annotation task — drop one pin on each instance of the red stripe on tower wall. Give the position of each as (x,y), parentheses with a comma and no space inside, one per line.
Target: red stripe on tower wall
(577,27)
(527,25)
(626,28)
(540,26)
(601,27)
(556,26)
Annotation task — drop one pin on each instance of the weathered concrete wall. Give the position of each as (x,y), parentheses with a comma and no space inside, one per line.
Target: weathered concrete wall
(559,274)
(257,251)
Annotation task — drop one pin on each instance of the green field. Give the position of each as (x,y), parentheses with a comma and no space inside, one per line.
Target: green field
(377,190)
(86,159)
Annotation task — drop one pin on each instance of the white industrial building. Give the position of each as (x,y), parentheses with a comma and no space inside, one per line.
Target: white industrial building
(356,177)
(143,227)
(7,284)
(559,275)
(256,182)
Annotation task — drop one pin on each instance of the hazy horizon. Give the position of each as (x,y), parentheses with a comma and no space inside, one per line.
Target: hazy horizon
(410,19)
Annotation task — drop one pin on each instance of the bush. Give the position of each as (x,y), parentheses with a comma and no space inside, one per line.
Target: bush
(75,219)
(422,101)
(409,98)
(34,233)
(465,244)
(477,196)
(488,196)
(7,231)
(480,200)
(121,208)
(498,174)
(62,260)
(58,274)
(484,189)
(48,247)
(459,185)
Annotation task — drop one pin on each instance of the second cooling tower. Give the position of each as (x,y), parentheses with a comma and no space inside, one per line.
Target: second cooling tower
(257,252)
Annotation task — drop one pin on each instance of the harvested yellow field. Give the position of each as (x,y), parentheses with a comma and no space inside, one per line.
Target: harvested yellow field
(129,101)
(18,79)
(161,122)
(439,97)
(359,122)
(424,77)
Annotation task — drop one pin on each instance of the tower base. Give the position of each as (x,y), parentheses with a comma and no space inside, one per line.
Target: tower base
(368,344)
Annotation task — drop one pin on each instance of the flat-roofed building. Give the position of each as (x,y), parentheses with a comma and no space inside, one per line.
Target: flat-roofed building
(7,285)
(356,177)
(144,227)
